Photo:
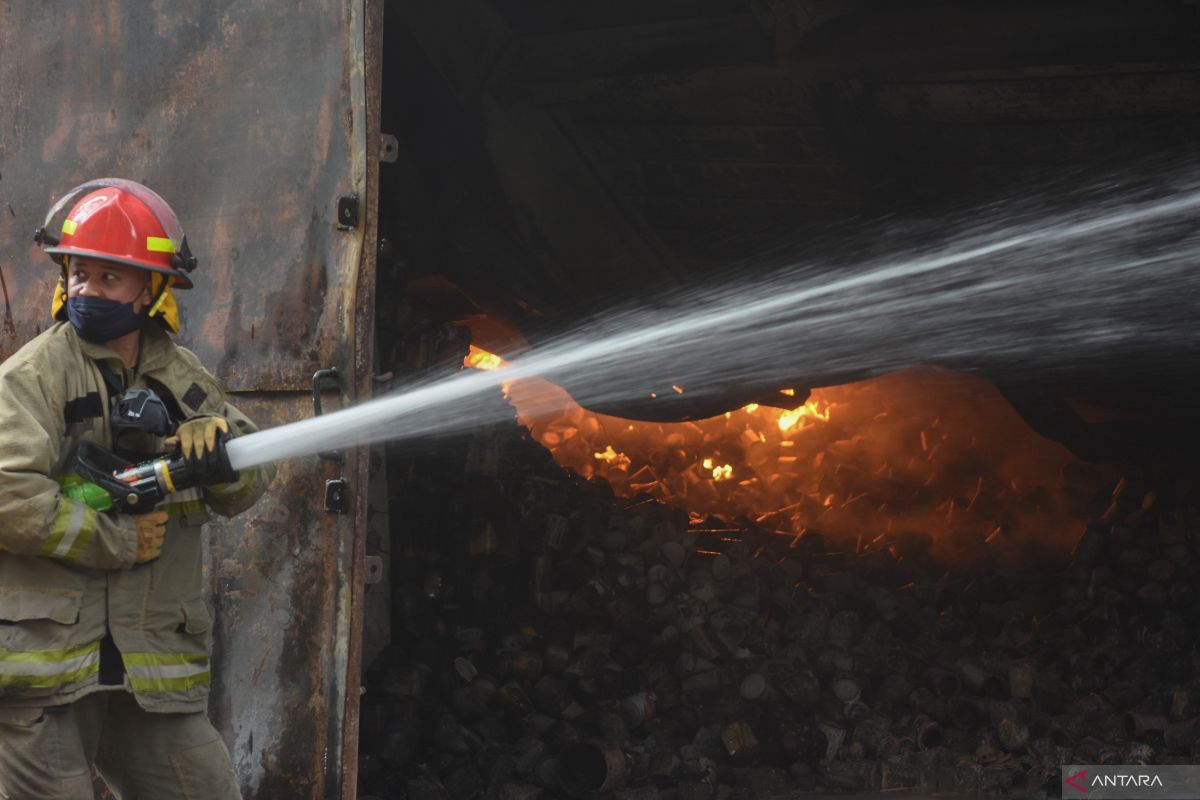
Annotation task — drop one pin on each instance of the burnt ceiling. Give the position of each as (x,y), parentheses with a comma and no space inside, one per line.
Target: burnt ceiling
(577,145)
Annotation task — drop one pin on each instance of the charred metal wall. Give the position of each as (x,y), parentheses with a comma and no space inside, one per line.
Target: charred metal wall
(239,118)
(252,123)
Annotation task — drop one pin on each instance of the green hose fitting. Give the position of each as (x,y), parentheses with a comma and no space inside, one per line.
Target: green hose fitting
(89,493)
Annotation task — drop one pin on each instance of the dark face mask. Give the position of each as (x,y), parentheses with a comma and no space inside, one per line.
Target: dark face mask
(98,320)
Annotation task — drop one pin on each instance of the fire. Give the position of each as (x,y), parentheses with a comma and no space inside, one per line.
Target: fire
(478,358)
(613,458)
(810,411)
(719,473)
(931,451)
(482,359)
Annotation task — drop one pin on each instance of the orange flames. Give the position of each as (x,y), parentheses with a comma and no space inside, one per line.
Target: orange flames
(925,451)
(482,359)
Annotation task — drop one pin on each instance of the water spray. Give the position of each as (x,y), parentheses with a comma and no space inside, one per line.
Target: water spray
(1053,291)
(1056,291)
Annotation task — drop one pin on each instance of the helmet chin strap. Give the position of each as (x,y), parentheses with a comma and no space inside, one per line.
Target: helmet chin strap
(161,297)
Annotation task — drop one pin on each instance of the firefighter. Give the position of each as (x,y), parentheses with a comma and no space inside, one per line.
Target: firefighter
(104,629)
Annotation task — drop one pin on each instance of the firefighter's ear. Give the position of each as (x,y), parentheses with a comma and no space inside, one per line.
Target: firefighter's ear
(146,296)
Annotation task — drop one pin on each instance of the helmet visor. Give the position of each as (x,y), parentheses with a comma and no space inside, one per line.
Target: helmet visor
(166,217)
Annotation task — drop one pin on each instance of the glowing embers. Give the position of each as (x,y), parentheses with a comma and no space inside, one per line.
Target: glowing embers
(721,473)
(809,412)
(613,458)
(926,452)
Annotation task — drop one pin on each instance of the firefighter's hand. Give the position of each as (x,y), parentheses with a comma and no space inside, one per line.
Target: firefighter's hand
(202,443)
(199,437)
(151,528)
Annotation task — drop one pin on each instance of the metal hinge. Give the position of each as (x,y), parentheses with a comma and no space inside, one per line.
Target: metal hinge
(337,490)
(337,496)
(389,148)
(372,569)
(333,379)
(347,212)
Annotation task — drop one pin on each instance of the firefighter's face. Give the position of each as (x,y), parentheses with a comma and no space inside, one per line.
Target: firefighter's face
(90,277)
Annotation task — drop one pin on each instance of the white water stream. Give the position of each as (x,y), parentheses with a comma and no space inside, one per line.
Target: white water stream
(1115,277)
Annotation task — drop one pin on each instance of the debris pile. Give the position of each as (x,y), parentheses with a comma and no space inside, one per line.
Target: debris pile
(552,639)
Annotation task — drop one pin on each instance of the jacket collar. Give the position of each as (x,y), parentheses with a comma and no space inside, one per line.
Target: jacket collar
(154,350)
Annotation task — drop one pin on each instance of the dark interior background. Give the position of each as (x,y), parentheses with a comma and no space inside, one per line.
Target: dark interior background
(552,158)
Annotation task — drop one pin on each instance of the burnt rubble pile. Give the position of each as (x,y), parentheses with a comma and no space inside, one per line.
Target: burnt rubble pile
(553,640)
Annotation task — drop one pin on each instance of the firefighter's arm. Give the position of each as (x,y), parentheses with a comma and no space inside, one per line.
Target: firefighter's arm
(35,519)
(228,499)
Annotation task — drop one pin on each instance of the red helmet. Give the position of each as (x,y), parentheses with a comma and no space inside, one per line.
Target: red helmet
(121,221)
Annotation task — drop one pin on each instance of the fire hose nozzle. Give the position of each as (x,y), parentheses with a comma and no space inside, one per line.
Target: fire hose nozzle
(133,489)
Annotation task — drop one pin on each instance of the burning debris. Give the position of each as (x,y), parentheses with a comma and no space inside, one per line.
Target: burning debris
(921,599)
(927,450)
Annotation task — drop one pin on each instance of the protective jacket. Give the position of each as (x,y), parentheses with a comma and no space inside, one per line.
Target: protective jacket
(67,576)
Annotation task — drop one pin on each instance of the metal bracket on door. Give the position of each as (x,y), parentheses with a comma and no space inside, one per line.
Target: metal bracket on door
(337,490)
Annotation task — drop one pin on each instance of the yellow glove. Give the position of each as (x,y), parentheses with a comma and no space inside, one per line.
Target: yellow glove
(151,528)
(202,444)
(198,437)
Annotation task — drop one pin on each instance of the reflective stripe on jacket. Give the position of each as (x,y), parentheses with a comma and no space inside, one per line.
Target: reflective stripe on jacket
(66,571)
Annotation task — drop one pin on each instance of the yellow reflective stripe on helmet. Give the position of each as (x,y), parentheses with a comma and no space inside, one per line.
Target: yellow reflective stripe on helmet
(71,530)
(166,672)
(157,244)
(47,669)
(69,227)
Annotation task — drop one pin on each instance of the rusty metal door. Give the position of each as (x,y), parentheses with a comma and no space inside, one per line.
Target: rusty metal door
(254,121)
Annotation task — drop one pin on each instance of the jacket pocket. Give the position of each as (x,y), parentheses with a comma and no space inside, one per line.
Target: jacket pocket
(36,620)
(19,604)
(195,616)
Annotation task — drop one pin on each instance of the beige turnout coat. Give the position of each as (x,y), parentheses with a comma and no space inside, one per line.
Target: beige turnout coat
(66,571)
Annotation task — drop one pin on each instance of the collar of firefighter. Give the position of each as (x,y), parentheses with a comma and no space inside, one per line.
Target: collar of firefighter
(165,310)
